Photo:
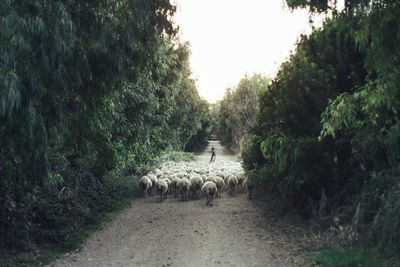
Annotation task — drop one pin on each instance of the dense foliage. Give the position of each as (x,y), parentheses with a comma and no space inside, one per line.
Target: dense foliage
(327,136)
(89,91)
(235,115)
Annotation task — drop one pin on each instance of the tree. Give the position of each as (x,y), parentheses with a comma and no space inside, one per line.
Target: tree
(237,111)
(89,91)
(328,122)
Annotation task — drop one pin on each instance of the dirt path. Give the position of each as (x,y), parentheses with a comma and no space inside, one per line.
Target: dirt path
(235,231)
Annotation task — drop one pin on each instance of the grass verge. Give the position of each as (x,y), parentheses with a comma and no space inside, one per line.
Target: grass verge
(352,257)
(46,253)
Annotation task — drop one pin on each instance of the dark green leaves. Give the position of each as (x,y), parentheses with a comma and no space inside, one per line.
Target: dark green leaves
(89,90)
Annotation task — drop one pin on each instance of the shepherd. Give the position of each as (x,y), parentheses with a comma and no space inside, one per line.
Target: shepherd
(212,155)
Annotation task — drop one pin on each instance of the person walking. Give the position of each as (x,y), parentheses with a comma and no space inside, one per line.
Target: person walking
(212,155)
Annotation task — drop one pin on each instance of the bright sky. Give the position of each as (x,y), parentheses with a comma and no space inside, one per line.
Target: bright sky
(231,38)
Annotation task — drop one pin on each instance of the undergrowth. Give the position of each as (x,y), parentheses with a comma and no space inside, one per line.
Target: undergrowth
(47,252)
(355,257)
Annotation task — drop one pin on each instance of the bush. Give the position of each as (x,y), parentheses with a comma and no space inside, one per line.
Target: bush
(327,131)
(177,156)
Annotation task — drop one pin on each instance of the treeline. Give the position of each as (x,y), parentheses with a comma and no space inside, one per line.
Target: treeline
(234,116)
(327,133)
(89,91)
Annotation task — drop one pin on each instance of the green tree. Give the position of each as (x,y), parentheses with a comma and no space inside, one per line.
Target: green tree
(324,65)
(237,110)
(89,91)
(329,121)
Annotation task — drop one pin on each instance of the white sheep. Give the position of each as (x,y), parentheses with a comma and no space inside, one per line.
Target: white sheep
(153,179)
(210,179)
(204,177)
(220,174)
(180,174)
(240,177)
(184,187)
(196,183)
(167,180)
(232,183)
(145,184)
(210,190)
(162,188)
(226,178)
(174,188)
(220,184)
(158,173)
(168,183)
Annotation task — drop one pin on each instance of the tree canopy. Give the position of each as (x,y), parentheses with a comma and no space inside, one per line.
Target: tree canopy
(235,115)
(328,124)
(89,91)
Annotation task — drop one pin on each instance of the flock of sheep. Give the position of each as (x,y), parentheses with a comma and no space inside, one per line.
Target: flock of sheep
(194,180)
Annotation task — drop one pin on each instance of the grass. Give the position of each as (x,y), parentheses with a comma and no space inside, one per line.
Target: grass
(354,257)
(177,156)
(46,253)
(41,256)
(77,240)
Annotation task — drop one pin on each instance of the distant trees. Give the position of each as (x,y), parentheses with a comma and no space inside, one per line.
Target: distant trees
(235,115)
(89,91)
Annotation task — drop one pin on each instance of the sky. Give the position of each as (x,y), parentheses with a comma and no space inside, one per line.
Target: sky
(232,38)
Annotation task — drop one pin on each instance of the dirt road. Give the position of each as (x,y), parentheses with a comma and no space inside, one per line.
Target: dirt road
(235,231)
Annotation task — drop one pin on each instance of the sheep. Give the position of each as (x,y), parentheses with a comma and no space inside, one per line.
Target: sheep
(174,188)
(180,174)
(191,176)
(210,179)
(220,184)
(184,187)
(210,190)
(153,179)
(226,179)
(204,177)
(194,174)
(196,183)
(232,183)
(220,174)
(145,184)
(152,176)
(240,177)
(158,172)
(162,188)
(168,183)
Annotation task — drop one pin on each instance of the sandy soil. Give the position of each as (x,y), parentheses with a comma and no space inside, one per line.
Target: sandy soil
(233,232)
